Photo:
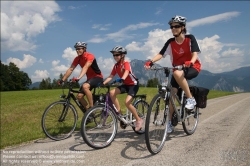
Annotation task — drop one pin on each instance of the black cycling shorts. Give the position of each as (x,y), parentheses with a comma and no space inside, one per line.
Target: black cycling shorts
(93,82)
(130,89)
(189,73)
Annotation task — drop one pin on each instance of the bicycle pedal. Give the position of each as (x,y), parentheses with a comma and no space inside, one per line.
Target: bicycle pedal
(123,125)
(190,111)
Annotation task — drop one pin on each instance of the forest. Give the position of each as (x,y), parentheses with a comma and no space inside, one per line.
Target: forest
(13,79)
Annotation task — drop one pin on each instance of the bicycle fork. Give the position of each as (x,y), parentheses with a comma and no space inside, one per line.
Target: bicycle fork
(64,112)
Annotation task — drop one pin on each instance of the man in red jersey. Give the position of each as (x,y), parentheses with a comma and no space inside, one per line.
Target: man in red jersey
(183,50)
(130,83)
(89,67)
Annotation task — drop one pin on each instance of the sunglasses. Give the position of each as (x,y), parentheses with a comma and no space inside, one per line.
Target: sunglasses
(117,54)
(78,48)
(176,26)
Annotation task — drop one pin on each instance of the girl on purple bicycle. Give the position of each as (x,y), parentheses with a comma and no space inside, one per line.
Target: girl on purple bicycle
(130,83)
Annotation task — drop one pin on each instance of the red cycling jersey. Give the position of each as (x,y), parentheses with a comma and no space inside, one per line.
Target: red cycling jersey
(93,70)
(119,68)
(181,52)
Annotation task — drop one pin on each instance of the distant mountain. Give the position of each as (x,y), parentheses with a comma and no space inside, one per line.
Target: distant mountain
(235,81)
(243,71)
(36,85)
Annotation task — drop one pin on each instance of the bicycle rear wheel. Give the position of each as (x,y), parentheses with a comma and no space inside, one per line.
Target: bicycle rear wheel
(141,108)
(191,120)
(98,127)
(59,120)
(156,125)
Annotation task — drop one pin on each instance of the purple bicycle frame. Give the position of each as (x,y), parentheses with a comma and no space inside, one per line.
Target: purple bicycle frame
(108,103)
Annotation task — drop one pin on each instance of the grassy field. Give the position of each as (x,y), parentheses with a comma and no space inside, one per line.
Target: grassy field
(21,112)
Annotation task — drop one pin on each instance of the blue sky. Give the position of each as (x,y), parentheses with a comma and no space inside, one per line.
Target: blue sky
(39,36)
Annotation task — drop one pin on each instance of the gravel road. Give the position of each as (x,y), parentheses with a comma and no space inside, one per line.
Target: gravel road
(222,138)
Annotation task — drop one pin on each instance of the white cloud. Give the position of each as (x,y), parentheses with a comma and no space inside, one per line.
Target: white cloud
(69,54)
(55,62)
(134,46)
(57,69)
(154,42)
(40,61)
(215,55)
(101,27)
(122,34)
(22,21)
(159,11)
(96,26)
(232,52)
(76,7)
(213,19)
(104,29)
(27,61)
(39,75)
(97,39)
(72,7)
(105,65)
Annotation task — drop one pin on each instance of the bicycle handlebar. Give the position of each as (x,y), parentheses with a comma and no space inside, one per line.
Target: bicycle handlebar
(167,69)
(108,85)
(179,67)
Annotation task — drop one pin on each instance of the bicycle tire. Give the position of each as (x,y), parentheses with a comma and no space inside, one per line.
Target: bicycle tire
(141,107)
(98,128)
(156,128)
(191,121)
(55,124)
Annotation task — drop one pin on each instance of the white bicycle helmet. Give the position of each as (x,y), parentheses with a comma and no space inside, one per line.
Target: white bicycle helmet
(80,44)
(178,19)
(119,49)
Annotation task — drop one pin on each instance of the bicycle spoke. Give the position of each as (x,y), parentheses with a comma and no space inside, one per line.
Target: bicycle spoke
(59,121)
(191,121)
(102,130)
(156,125)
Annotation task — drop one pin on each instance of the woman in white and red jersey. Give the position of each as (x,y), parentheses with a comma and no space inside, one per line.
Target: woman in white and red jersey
(183,50)
(130,83)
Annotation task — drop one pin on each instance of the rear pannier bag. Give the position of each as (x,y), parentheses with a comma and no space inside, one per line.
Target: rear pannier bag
(200,95)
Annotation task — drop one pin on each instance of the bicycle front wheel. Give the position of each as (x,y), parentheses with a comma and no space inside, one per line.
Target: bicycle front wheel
(141,107)
(156,125)
(99,127)
(59,120)
(191,121)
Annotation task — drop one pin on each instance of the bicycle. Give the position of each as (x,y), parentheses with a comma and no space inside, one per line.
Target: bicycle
(101,131)
(59,119)
(156,124)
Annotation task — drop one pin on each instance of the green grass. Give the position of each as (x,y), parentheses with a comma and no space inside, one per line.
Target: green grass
(21,112)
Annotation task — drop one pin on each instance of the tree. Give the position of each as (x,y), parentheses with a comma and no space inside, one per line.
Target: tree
(54,84)
(153,82)
(43,85)
(25,80)
(13,79)
(48,83)
(5,78)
